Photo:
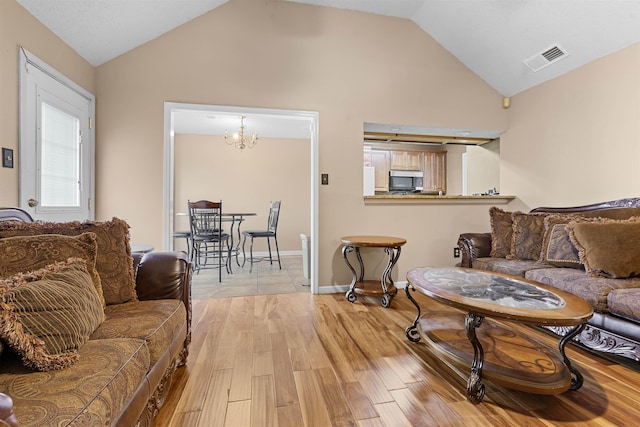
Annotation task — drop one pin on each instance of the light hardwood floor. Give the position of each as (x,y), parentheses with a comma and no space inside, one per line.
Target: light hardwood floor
(317,360)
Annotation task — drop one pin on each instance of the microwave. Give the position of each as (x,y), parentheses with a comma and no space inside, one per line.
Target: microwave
(405,180)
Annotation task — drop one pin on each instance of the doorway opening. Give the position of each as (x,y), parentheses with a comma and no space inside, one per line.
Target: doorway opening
(309,118)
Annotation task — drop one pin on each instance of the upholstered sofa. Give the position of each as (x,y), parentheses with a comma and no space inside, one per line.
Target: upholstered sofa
(591,251)
(90,333)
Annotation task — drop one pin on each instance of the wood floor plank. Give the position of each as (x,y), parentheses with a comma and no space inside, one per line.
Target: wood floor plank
(240,388)
(285,386)
(358,401)
(412,408)
(312,404)
(392,415)
(339,410)
(213,414)
(289,416)
(238,414)
(262,363)
(263,402)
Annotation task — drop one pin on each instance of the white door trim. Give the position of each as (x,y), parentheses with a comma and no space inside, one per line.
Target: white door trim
(168,176)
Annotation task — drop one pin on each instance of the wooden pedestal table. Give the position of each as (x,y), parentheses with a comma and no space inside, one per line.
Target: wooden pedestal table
(495,351)
(359,285)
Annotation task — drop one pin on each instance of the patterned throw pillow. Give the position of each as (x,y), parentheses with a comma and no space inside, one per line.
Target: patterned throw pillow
(26,253)
(528,230)
(608,248)
(501,232)
(113,261)
(47,314)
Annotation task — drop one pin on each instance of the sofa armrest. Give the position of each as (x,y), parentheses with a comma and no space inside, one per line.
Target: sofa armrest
(7,417)
(164,275)
(472,246)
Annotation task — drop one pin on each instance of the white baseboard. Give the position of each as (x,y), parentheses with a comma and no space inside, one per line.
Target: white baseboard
(336,289)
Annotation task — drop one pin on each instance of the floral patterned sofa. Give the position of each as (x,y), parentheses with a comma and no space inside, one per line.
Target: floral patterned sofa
(592,251)
(90,334)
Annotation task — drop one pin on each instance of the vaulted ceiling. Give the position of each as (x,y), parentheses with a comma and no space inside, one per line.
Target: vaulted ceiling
(502,41)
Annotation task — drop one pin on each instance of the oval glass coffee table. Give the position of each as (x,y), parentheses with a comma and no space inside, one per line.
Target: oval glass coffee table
(495,351)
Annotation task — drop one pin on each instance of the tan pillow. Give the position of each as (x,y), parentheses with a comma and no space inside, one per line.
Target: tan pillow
(113,260)
(608,249)
(528,230)
(26,253)
(47,314)
(501,232)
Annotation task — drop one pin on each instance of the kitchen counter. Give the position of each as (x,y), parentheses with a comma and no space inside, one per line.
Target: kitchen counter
(434,198)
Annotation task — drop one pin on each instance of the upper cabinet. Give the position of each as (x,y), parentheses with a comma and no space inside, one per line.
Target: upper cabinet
(380,161)
(406,160)
(435,171)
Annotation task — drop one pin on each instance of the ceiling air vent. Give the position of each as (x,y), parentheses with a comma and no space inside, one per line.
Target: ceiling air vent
(547,57)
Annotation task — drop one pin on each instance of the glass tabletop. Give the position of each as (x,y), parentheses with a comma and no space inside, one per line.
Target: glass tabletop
(491,288)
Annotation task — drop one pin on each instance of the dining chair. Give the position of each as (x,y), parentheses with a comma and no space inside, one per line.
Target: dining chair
(271,231)
(207,236)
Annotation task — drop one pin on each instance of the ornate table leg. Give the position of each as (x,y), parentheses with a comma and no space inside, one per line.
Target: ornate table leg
(475,388)
(351,295)
(412,330)
(393,254)
(576,378)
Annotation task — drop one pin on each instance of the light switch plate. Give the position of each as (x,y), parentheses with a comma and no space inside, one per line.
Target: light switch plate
(324,179)
(7,158)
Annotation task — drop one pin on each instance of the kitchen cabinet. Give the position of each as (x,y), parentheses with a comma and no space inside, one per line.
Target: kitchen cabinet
(380,161)
(406,160)
(435,171)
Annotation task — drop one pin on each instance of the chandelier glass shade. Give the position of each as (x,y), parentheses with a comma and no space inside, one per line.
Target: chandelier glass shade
(239,140)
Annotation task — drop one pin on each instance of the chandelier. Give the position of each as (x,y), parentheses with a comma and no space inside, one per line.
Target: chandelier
(239,140)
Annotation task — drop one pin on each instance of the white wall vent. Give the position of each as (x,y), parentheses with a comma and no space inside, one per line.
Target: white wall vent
(547,57)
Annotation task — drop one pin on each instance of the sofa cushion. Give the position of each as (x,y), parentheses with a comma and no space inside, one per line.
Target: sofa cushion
(609,248)
(625,303)
(528,230)
(47,314)
(155,321)
(25,253)
(501,232)
(514,267)
(113,261)
(594,290)
(89,393)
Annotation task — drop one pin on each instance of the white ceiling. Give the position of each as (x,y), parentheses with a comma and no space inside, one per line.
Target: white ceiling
(491,37)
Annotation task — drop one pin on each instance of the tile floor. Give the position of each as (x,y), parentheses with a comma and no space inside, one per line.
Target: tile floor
(265,279)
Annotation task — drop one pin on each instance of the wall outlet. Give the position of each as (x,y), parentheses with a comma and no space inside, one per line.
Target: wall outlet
(456,252)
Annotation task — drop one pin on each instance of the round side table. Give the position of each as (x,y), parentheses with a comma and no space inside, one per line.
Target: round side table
(359,285)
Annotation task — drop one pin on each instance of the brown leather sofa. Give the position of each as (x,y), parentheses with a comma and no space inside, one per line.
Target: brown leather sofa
(124,370)
(614,330)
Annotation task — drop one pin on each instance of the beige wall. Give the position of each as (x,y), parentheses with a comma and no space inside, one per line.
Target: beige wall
(20,29)
(576,139)
(299,57)
(246,181)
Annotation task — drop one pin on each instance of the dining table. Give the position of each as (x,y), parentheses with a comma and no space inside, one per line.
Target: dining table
(236,219)
(235,233)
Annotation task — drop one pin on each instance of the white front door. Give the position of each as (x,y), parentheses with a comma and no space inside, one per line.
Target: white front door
(56,144)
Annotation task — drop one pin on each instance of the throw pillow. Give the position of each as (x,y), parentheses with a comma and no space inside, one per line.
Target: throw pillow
(557,247)
(113,261)
(608,248)
(47,314)
(26,253)
(528,230)
(501,232)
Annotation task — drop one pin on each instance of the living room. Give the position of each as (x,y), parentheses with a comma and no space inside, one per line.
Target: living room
(569,141)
